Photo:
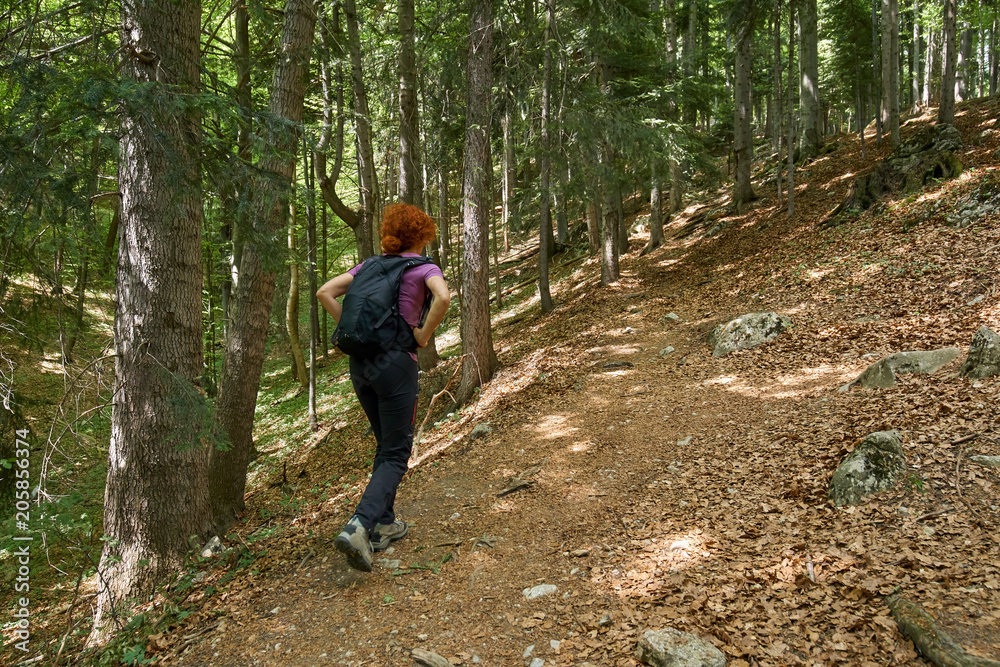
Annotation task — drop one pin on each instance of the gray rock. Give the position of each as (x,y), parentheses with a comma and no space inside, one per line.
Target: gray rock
(389,563)
(884,371)
(668,350)
(984,355)
(873,466)
(746,331)
(212,548)
(671,317)
(983,460)
(672,648)
(947,138)
(539,590)
(480,431)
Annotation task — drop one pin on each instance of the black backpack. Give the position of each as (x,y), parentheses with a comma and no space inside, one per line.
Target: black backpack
(371,322)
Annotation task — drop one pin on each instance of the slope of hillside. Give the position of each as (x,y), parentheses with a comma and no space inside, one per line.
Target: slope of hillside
(676,489)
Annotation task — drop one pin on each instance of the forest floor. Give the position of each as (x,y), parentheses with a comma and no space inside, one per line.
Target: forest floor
(668,490)
(676,490)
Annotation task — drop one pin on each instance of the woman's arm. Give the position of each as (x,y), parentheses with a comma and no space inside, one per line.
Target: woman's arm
(328,293)
(440,300)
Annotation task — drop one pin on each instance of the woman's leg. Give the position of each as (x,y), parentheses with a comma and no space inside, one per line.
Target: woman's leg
(393,378)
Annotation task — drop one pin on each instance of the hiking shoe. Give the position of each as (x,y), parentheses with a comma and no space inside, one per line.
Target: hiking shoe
(385,533)
(353,542)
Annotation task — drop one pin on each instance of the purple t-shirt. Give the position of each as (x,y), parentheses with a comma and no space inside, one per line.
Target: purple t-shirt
(413,289)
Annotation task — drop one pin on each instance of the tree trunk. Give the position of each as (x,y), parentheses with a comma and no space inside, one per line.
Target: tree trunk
(156,494)
(876,70)
(367,182)
(241,369)
(655,214)
(690,47)
(292,303)
(949,55)
(313,286)
(915,51)
(593,226)
(963,80)
(509,164)
(328,182)
(890,70)
(812,138)
(742,130)
(929,67)
(477,338)
(410,190)
(545,217)
(791,109)
(779,100)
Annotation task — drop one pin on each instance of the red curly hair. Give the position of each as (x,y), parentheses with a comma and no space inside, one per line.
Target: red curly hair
(405,226)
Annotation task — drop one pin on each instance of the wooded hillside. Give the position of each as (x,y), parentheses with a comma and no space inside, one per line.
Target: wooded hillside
(177,180)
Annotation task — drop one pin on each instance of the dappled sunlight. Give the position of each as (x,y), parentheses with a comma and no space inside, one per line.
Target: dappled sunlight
(551,427)
(642,571)
(47,366)
(792,384)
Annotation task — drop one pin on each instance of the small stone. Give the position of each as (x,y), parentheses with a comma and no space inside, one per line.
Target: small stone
(212,548)
(667,351)
(671,317)
(555,644)
(539,590)
(389,563)
(684,442)
(528,651)
(480,431)
(579,553)
(422,637)
(275,611)
(537,662)
(605,621)
(614,365)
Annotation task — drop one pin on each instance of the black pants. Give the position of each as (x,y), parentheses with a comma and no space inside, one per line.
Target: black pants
(387,390)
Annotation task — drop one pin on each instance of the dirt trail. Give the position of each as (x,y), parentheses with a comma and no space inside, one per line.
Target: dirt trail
(679,490)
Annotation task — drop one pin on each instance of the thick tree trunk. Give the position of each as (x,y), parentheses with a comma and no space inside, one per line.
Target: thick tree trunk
(477,338)
(890,70)
(812,138)
(241,369)
(655,214)
(410,188)
(946,110)
(156,494)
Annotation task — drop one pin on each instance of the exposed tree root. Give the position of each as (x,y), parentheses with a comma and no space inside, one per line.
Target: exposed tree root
(929,638)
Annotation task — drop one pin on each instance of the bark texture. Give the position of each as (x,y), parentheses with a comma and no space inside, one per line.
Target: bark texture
(241,368)
(156,495)
(477,338)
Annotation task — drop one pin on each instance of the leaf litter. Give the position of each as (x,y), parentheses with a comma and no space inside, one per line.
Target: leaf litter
(680,490)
